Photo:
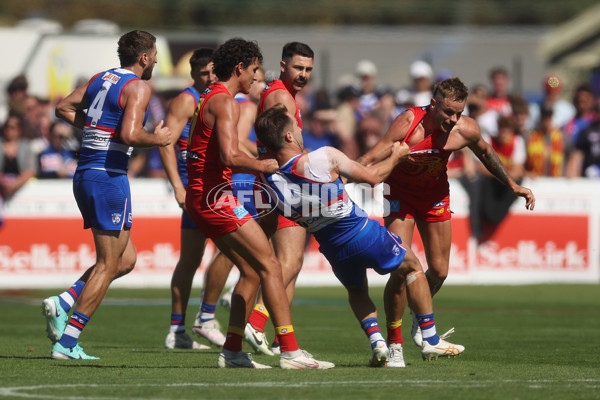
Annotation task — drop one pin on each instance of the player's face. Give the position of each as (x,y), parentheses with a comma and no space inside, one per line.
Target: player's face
(205,76)
(447,113)
(248,76)
(258,85)
(296,72)
(151,62)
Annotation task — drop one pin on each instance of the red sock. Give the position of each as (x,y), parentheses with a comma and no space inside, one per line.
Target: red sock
(287,338)
(259,317)
(394,332)
(233,340)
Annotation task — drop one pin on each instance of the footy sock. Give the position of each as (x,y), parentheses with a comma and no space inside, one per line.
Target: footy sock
(427,325)
(177,323)
(233,341)
(70,296)
(73,329)
(207,312)
(287,338)
(371,328)
(259,317)
(394,332)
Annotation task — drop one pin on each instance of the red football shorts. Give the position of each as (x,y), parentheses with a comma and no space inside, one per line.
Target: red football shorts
(219,218)
(424,206)
(283,222)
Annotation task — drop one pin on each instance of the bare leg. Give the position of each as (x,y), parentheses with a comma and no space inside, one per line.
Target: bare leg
(116,257)
(87,273)
(394,294)
(244,294)
(249,244)
(289,247)
(192,250)
(437,239)
(361,303)
(215,277)
(419,297)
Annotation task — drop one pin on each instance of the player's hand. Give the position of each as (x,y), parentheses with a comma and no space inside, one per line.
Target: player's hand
(400,150)
(270,166)
(163,133)
(180,198)
(527,194)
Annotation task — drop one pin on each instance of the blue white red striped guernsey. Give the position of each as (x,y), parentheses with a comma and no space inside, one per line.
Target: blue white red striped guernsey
(181,146)
(101,147)
(323,208)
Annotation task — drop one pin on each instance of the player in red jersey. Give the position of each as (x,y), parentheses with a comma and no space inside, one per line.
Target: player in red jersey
(289,239)
(179,119)
(419,188)
(213,151)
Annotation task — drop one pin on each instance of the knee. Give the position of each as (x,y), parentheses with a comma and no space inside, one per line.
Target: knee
(270,267)
(127,263)
(437,275)
(409,265)
(355,290)
(292,263)
(397,278)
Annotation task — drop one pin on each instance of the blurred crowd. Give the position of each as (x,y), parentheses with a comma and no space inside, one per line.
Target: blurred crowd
(556,135)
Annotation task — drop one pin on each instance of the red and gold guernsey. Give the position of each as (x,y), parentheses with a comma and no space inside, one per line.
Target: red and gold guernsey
(263,153)
(204,166)
(277,84)
(209,198)
(426,167)
(419,186)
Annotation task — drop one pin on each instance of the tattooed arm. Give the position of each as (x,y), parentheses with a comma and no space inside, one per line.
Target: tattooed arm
(489,158)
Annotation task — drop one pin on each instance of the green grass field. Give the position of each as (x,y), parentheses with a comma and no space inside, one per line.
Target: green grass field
(522,342)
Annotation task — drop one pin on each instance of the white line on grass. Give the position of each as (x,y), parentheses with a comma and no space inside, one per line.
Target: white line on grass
(21,391)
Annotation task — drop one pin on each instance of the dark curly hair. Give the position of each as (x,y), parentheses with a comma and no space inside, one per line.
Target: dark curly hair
(132,45)
(231,53)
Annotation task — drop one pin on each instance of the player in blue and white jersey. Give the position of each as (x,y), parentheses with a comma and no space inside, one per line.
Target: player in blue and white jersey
(310,192)
(111,109)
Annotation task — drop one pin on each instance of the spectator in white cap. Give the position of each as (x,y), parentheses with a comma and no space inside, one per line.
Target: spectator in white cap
(421,74)
(366,70)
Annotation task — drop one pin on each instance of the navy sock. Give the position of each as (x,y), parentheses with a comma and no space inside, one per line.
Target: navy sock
(73,329)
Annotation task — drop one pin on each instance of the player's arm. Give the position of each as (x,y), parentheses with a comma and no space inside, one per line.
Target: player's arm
(180,110)
(490,160)
(135,100)
(372,174)
(71,108)
(247,116)
(226,116)
(396,132)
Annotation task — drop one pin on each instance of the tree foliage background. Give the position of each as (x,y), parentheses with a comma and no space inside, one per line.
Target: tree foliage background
(202,14)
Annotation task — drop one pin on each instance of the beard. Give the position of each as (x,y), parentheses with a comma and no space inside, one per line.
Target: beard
(147,73)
